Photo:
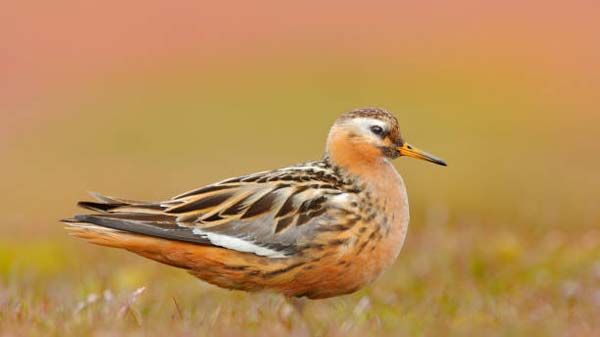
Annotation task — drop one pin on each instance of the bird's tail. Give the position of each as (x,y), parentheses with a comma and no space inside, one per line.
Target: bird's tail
(116,222)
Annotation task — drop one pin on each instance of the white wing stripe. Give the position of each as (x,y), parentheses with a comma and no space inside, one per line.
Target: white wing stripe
(238,244)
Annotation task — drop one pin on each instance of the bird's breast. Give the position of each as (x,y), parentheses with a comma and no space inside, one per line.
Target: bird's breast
(387,224)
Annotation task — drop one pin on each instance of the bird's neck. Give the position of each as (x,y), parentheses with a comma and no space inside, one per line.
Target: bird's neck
(376,177)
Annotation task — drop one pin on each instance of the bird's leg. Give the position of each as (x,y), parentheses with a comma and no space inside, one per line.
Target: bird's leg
(293,310)
(297,303)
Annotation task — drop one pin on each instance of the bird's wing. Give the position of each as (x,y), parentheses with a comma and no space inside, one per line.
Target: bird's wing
(265,213)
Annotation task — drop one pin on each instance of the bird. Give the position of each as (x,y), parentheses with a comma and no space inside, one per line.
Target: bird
(314,230)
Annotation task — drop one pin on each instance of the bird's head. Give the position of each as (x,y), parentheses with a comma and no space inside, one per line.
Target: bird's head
(370,135)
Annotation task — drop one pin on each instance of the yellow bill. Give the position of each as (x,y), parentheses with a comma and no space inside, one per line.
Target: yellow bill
(411,151)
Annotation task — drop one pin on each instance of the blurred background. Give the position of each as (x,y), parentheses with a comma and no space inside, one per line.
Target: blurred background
(147,99)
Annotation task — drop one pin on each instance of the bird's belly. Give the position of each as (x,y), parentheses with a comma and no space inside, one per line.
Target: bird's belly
(350,268)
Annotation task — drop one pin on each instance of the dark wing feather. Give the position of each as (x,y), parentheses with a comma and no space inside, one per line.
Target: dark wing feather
(151,227)
(294,195)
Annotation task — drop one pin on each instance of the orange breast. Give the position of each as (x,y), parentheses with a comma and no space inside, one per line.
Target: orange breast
(373,247)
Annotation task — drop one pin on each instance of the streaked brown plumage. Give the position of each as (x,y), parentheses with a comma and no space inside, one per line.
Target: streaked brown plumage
(317,229)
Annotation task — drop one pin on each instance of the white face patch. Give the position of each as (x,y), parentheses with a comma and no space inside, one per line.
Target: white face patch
(366,123)
(238,244)
(363,127)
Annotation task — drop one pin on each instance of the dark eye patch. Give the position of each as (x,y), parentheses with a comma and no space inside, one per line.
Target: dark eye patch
(378,130)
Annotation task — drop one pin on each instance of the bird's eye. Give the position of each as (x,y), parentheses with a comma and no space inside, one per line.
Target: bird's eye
(376,129)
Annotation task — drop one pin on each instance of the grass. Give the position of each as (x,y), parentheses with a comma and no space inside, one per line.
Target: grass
(454,279)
